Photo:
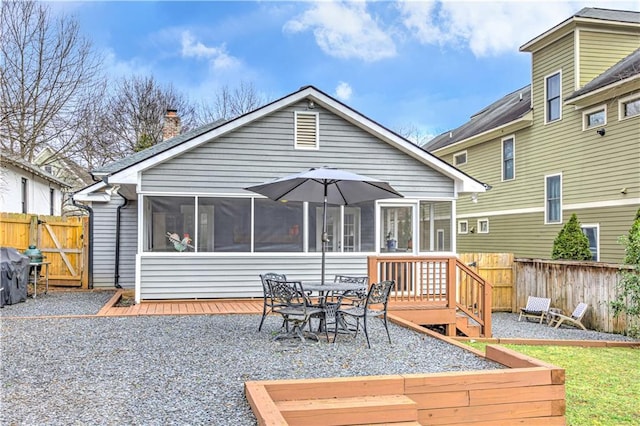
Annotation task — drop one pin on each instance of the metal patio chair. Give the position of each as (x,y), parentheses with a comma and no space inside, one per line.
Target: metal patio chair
(268,304)
(291,301)
(372,306)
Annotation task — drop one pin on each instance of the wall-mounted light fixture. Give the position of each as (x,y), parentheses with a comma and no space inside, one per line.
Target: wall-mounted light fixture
(623,191)
(474,198)
(472,230)
(311,104)
(601,132)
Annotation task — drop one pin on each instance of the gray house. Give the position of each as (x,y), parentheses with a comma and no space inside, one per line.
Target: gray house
(174,221)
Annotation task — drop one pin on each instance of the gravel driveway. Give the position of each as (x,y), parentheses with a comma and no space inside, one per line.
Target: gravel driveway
(188,370)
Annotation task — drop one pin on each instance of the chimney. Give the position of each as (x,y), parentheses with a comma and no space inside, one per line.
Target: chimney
(171,126)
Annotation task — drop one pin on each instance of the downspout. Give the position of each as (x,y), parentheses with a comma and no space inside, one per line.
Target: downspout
(90,244)
(116,273)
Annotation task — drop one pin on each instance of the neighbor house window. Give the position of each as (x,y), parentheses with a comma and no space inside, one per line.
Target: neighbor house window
(553,90)
(436,216)
(306,130)
(593,234)
(463,227)
(629,106)
(52,201)
(24,193)
(594,117)
(508,158)
(483,226)
(460,158)
(553,199)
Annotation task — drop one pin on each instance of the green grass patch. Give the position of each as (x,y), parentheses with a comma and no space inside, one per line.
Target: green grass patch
(602,384)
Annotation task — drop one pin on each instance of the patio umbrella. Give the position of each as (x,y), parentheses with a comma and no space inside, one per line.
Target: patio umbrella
(328,186)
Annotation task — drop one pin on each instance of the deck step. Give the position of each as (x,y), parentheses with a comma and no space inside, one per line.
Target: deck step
(464,324)
(382,409)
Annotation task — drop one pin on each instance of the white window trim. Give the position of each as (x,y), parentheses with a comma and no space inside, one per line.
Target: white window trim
(465,222)
(623,101)
(295,130)
(546,113)
(466,158)
(546,211)
(480,231)
(512,137)
(597,226)
(586,113)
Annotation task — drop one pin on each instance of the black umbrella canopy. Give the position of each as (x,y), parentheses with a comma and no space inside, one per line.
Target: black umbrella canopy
(339,186)
(328,186)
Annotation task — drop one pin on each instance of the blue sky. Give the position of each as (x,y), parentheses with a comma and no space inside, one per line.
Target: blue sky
(428,65)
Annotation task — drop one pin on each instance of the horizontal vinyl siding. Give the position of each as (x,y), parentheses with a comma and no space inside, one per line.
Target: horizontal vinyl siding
(264,150)
(599,51)
(526,236)
(104,243)
(203,277)
(128,244)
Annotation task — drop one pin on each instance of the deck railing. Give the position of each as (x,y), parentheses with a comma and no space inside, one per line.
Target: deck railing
(436,281)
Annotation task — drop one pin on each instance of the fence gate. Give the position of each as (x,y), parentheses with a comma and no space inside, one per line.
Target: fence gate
(497,268)
(61,240)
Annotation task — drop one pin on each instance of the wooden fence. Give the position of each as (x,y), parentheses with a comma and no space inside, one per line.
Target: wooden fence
(61,240)
(568,283)
(498,269)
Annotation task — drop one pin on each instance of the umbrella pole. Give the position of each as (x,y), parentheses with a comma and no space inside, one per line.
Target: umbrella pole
(325,237)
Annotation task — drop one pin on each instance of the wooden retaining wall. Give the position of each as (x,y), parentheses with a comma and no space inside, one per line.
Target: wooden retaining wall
(529,392)
(568,283)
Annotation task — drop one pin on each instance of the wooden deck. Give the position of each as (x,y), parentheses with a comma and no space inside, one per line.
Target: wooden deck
(183,307)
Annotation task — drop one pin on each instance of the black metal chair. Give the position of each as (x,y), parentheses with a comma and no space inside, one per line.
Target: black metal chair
(352,296)
(372,306)
(268,304)
(296,309)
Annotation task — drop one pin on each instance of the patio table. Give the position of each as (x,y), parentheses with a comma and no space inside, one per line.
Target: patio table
(331,308)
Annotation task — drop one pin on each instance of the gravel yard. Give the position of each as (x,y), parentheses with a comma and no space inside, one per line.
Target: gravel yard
(177,370)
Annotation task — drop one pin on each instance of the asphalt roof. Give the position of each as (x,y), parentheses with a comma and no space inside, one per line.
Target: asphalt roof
(609,14)
(505,110)
(156,149)
(32,168)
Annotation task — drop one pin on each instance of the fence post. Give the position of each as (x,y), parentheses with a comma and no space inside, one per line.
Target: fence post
(33,230)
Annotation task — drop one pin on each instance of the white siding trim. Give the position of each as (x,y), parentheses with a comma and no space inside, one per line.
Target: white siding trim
(565,207)
(576,59)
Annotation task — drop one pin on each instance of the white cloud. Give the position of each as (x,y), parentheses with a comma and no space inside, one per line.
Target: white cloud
(487,28)
(217,56)
(344,91)
(344,30)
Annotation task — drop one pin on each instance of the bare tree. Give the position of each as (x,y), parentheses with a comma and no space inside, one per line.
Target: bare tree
(414,134)
(228,103)
(134,114)
(47,72)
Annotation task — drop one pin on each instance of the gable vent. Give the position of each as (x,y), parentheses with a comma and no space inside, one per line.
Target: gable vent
(306,130)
